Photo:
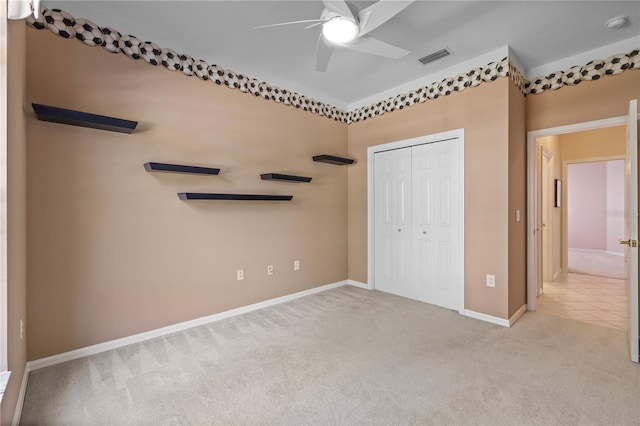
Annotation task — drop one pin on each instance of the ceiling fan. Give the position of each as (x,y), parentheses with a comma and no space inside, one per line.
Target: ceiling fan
(345,26)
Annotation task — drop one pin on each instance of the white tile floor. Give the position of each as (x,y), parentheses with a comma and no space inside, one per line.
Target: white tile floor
(587,298)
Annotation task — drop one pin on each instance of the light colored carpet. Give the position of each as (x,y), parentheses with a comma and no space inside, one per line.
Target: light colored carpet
(594,263)
(350,356)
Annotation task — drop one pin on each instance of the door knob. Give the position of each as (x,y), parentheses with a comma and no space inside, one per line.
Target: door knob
(630,243)
(424,232)
(399,230)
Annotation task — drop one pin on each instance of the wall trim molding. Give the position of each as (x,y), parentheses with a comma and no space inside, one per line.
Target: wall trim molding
(496,320)
(359,284)
(595,251)
(516,316)
(486,318)
(20,402)
(163,331)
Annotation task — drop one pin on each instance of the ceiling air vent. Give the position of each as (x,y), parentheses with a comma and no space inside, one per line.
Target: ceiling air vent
(435,56)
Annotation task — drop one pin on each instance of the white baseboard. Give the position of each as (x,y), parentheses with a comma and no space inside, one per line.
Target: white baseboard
(594,251)
(359,284)
(136,338)
(487,318)
(495,320)
(17,414)
(584,250)
(516,316)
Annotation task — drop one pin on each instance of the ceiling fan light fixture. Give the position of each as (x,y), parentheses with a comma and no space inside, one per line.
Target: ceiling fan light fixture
(340,30)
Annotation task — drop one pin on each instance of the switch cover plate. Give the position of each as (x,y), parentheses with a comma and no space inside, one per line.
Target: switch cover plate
(491,280)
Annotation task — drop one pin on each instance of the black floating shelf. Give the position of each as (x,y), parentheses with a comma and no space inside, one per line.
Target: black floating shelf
(332,159)
(178,168)
(83,119)
(289,178)
(240,197)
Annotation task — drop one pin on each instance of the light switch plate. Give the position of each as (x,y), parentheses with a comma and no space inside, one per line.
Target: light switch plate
(491,280)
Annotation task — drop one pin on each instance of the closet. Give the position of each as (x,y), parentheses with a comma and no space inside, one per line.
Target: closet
(418,222)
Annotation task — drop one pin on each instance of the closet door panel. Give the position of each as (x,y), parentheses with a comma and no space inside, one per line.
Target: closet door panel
(445,230)
(393,221)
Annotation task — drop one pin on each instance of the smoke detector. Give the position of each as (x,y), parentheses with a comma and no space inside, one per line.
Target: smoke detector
(617,22)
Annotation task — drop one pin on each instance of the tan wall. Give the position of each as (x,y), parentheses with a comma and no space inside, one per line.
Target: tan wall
(588,101)
(483,113)
(552,143)
(16,216)
(113,252)
(517,201)
(597,143)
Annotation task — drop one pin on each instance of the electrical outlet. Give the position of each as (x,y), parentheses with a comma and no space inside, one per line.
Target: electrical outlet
(269,269)
(491,280)
(296,265)
(517,215)
(240,274)
(21,328)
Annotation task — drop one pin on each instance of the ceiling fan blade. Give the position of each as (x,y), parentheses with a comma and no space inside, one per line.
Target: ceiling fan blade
(380,12)
(314,25)
(339,7)
(324,50)
(283,24)
(376,47)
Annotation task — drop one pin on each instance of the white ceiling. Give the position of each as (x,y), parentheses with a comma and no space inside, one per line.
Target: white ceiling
(220,32)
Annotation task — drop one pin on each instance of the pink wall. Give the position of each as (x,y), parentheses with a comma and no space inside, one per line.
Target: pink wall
(587,205)
(595,203)
(615,205)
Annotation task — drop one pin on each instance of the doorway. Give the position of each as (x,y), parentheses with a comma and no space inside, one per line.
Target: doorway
(416,218)
(571,290)
(589,193)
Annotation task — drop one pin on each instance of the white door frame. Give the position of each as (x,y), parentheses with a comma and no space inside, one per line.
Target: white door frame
(3,186)
(457,134)
(532,171)
(548,166)
(631,225)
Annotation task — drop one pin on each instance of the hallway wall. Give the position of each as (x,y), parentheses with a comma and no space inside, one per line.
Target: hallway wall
(587,205)
(552,144)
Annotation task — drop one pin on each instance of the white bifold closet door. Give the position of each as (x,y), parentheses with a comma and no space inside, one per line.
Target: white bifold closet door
(417,216)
